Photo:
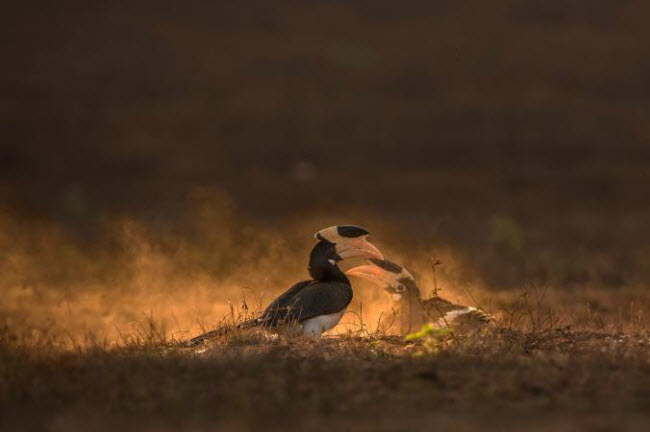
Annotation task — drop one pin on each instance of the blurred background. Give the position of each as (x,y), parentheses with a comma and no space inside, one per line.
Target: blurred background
(513,136)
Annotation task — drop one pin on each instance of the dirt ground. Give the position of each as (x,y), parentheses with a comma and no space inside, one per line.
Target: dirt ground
(499,379)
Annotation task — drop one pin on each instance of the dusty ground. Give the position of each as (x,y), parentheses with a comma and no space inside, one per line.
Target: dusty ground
(498,379)
(90,340)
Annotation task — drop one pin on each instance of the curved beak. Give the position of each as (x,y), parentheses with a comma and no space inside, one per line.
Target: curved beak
(358,247)
(373,274)
(380,277)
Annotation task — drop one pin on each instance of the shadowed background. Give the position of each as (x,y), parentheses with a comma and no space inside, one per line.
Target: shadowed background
(514,134)
(164,165)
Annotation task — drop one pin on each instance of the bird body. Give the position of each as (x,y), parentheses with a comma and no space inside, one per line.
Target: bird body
(416,311)
(446,313)
(317,305)
(308,300)
(316,326)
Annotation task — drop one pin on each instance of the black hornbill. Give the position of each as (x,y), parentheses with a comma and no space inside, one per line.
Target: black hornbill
(317,304)
(415,311)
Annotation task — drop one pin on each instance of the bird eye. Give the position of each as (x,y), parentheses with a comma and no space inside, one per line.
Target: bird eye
(331,261)
(400,288)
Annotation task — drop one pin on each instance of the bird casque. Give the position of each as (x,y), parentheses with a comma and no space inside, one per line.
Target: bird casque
(415,311)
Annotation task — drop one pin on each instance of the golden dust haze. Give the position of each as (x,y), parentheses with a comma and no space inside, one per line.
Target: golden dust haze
(140,278)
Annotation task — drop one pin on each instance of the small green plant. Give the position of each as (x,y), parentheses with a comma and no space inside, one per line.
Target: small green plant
(429,331)
(431,337)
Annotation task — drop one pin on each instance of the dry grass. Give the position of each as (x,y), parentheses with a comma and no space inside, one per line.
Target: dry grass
(511,376)
(93,340)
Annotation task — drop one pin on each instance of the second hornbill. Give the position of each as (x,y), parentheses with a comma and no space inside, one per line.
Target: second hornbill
(316,305)
(415,311)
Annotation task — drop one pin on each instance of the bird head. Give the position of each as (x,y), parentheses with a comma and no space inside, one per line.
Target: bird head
(349,242)
(395,279)
(338,243)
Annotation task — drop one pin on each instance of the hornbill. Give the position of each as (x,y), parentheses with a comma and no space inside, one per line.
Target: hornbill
(415,311)
(316,304)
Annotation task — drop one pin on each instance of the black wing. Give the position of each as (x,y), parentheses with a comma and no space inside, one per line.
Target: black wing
(277,309)
(317,298)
